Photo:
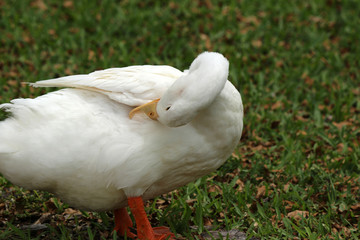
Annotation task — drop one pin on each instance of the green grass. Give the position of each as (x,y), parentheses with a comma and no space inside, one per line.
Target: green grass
(296,64)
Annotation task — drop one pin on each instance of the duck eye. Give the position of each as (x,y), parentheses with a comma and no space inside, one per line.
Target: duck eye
(167,108)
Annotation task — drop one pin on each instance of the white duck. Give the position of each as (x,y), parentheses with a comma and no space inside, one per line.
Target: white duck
(86,145)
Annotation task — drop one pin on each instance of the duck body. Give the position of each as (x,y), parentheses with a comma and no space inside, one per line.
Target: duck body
(80,144)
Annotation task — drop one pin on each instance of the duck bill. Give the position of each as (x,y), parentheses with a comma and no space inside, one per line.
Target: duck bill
(148,108)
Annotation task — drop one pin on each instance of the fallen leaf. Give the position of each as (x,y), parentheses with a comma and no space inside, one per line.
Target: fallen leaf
(279,64)
(91,55)
(301,132)
(215,188)
(68,4)
(71,211)
(51,32)
(251,19)
(39,4)
(309,81)
(356,207)
(207,41)
(340,125)
(298,215)
(260,191)
(277,105)
(256,43)
(207,221)
(241,185)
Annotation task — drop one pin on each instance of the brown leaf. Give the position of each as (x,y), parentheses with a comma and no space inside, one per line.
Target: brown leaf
(208,221)
(190,201)
(297,214)
(91,55)
(356,91)
(68,71)
(260,191)
(68,4)
(301,132)
(51,32)
(12,83)
(340,125)
(245,30)
(207,41)
(316,19)
(251,19)
(279,64)
(340,148)
(258,148)
(215,188)
(309,81)
(288,204)
(301,118)
(277,105)
(51,205)
(240,184)
(71,211)
(356,207)
(39,4)
(256,43)
(160,201)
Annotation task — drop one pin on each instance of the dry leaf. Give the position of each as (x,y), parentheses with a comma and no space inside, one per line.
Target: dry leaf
(279,64)
(277,105)
(286,187)
(340,125)
(91,55)
(71,211)
(207,221)
(309,81)
(251,19)
(160,201)
(356,207)
(215,188)
(256,43)
(207,41)
(39,4)
(297,214)
(301,132)
(68,4)
(260,191)
(240,184)
(51,32)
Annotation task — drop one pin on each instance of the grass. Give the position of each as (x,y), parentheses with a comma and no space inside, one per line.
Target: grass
(296,172)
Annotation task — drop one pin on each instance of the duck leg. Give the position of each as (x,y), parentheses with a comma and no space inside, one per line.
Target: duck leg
(123,223)
(144,229)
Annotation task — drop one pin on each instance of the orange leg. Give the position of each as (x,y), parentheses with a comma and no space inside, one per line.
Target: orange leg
(144,229)
(123,223)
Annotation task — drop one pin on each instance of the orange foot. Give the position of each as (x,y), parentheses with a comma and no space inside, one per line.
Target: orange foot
(123,223)
(163,233)
(144,229)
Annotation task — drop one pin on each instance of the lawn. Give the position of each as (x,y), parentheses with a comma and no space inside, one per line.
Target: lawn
(295,173)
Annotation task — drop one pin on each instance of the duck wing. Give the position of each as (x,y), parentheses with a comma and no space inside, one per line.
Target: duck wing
(132,86)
